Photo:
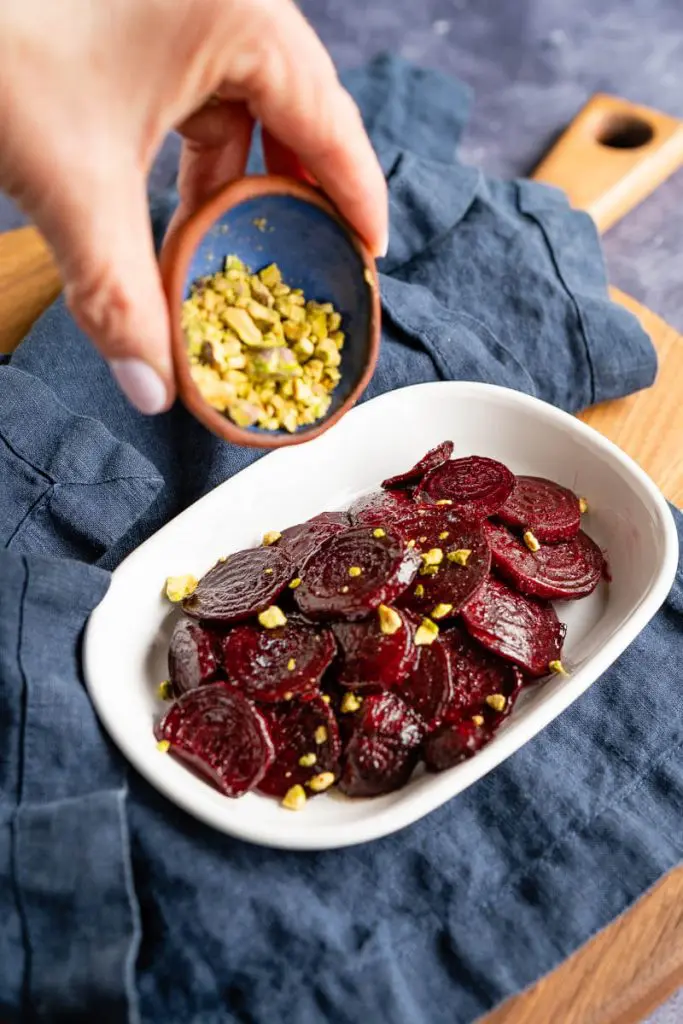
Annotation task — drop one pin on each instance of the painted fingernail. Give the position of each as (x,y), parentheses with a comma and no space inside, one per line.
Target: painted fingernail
(141,385)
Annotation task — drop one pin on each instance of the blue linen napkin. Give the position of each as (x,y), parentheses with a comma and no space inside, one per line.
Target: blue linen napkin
(116,906)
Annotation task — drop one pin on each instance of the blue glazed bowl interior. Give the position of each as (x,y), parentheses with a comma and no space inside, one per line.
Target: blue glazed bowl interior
(313,252)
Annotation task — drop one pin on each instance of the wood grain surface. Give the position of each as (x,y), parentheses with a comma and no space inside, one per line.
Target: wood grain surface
(636,963)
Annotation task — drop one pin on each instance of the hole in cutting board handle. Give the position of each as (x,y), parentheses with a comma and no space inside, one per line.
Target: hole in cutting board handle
(624,131)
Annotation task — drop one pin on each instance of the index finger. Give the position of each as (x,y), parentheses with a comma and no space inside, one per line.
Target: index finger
(296,95)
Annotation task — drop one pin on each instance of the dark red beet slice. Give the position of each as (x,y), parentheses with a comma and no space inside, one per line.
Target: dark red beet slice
(383,747)
(371,659)
(452,743)
(476,486)
(478,674)
(328,589)
(297,730)
(380,508)
(300,542)
(220,734)
(558,572)
(521,629)
(192,656)
(257,661)
(243,585)
(434,457)
(453,584)
(428,690)
(551,512)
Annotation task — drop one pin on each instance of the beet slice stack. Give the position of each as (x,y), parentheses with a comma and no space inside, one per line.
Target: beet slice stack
(551,512)
(557,572)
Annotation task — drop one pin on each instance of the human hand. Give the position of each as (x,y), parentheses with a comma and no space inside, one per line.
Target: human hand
(89,90)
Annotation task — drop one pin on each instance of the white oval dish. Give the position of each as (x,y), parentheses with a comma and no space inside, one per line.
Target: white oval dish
(127,635)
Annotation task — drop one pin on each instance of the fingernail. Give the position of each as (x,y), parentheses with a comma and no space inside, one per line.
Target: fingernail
(141,385)
(384,247)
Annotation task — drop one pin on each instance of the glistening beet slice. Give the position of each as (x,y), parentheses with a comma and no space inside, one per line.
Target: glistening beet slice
(243,585)
(299,730)
(453,583)
(522,629)
(550,511)
(453,743)
(353,573)
(428,690)
(383,747)
(434,457)
(277,664)
(477,487)
(192,656)
(563,571)
(371,659)
(380,508)
(220,734)
(301,541)
(478,674)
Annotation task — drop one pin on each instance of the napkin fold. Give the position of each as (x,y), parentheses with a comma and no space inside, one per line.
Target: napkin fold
(116,906)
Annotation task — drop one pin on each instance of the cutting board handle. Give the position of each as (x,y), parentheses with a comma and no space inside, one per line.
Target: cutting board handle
(612,156)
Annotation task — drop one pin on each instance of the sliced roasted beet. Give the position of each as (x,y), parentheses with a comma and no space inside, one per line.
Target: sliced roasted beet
(563,571)
(192,656)
(478,674)
(380,508)
(300,730)
(353,573)
(453,583)
(434,457)
(428,690)
(551,512)
(277,664)
(301,541)
(522,629)
(383,747)
(243,585)
(371,659)
(220,734)
(476,486)
(452,743)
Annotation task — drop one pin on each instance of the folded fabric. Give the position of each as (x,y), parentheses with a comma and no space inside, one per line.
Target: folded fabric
(116,906)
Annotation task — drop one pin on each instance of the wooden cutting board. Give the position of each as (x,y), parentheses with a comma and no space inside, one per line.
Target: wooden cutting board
(611,157)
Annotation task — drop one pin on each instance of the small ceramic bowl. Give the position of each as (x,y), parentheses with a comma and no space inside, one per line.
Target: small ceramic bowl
(270,219)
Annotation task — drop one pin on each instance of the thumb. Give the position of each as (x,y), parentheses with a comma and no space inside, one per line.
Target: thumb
(100,232)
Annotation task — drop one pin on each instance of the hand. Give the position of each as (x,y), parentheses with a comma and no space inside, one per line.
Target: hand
(87,93)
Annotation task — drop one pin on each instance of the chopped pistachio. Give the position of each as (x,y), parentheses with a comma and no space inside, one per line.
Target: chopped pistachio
(294,799)
(319,783)
(320,735)
(270,276)
(389,620)
(180,587)
(497,701)
(530,540)
(272,617)
(441,611)
(355,570)
(423,538)
(289,695)
(429,570)
(410,544)
(478,719)
(558,668)
(344,589)
(291,664)
(350,702)
(433,557)
(271,536)
(583,506)
(165,690)
(444,535)
(460,556)
(426,633)
(419,590)
(444,501)
(268,571)
(296,582)
(326,697)
(164,746)
(379,532)
(307,760)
